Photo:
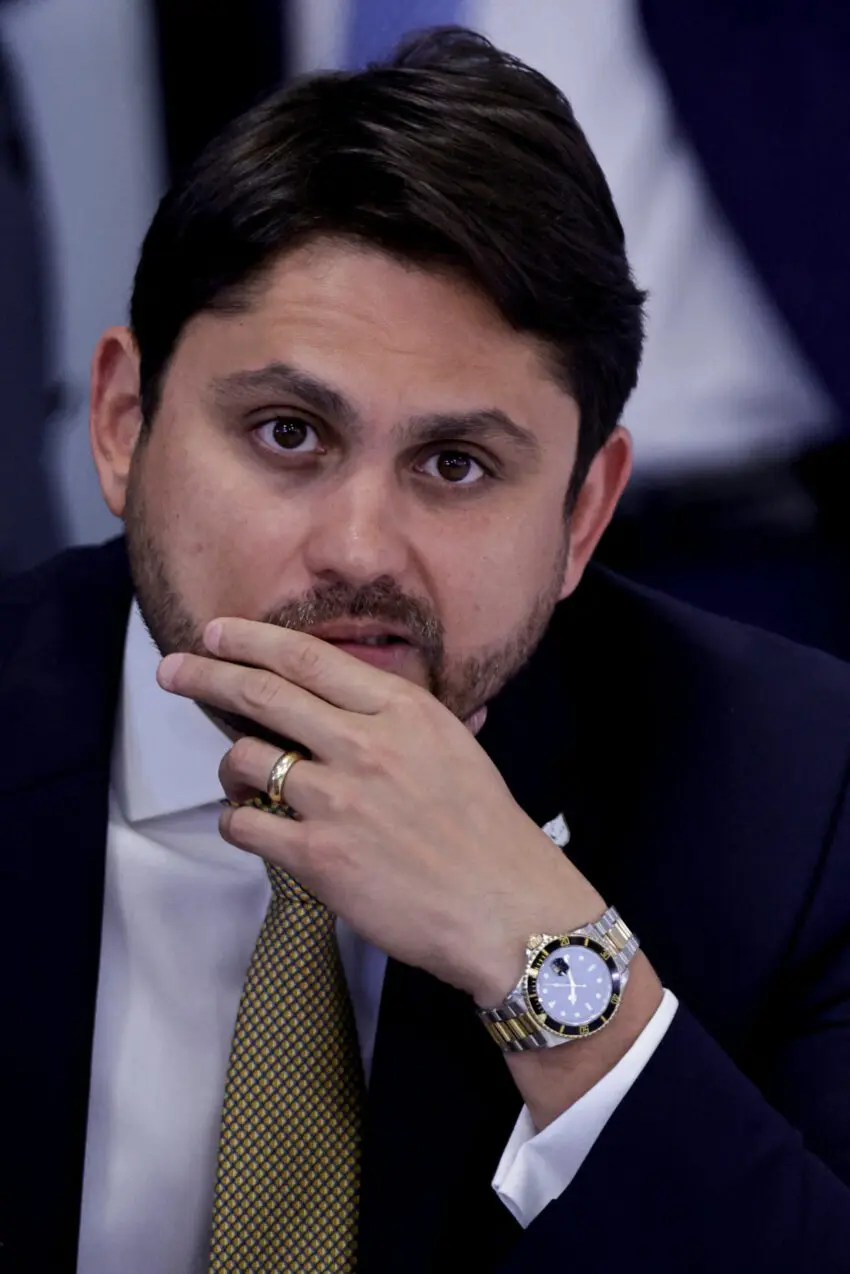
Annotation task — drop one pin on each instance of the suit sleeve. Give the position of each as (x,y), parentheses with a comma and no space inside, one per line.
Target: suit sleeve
(702,1169)
(537,1167)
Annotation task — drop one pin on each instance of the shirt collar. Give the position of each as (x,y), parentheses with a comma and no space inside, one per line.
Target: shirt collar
(167,750)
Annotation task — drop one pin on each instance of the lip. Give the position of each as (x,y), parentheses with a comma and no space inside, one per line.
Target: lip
(393,658)
(351,631)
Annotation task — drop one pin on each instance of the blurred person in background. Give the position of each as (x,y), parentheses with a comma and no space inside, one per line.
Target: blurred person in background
(366,417)
(723,129)
(29,523)
(101,100)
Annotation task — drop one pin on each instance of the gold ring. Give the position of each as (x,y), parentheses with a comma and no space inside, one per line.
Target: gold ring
(279,771)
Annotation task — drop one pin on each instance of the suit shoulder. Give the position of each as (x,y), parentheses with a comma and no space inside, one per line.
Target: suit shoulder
(72,563)
(733,668)
(77,577)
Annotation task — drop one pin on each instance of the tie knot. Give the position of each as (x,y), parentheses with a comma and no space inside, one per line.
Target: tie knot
(287,889)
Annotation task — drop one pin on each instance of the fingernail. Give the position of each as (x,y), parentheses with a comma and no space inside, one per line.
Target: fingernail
(167,671)
(212,636)
(476,721)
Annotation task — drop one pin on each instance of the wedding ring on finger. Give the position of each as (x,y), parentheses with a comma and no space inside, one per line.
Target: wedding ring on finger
(278,773)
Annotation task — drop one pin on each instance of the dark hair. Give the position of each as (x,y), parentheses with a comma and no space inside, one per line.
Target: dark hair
(452,155)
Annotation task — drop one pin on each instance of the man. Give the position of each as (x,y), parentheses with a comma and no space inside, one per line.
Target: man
(363,436)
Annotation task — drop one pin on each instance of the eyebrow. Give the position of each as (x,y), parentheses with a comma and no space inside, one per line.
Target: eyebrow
(487,424)
(282,378)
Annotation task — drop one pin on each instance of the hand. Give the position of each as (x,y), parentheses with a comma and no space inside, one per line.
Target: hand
(407,830)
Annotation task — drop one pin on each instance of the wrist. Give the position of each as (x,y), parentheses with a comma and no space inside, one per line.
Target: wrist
(550,1081)
(501,960)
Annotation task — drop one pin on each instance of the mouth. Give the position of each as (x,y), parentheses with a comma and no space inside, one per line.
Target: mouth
(376,644)
(365,634)
(367,641)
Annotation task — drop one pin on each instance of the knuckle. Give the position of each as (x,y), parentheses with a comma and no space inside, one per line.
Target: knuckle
(358,746)
(226,770)
(331,802)
(369,760)
(242,755)
(341,801)
(407,697)
(261,690)
(325,851)
(309,659)
(312,840)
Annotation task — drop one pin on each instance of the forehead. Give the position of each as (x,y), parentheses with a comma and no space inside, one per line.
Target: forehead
(382,331)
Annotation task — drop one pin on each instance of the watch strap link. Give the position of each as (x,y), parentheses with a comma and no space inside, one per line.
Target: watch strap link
(612,930)
(514,1030)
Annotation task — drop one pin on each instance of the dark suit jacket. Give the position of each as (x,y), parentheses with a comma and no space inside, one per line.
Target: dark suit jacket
(703,770)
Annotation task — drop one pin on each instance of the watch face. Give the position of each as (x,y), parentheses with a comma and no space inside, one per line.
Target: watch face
(574,985)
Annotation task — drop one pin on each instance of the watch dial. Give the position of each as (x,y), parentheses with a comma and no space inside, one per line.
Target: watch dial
(574,985)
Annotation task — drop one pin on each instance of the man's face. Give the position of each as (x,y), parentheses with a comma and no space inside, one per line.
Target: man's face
(367,452)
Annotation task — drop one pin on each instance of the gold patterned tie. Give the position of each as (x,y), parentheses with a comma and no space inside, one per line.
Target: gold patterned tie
(289,1150)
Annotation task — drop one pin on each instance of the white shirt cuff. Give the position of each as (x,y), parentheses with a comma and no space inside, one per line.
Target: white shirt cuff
(538,1166)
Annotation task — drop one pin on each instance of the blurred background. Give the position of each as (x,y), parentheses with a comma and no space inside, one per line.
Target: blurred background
(723,127)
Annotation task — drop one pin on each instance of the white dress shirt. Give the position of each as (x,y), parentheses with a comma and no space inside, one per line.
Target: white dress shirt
(182,910)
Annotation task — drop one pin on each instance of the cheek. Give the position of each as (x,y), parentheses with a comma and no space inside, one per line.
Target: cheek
(225,539)
(492,581)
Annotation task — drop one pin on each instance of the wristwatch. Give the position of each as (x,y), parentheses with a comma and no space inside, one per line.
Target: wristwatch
(572,986)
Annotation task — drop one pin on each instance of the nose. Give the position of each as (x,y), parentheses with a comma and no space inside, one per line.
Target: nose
(357,534)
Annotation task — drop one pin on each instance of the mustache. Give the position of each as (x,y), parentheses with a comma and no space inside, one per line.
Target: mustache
(381,600)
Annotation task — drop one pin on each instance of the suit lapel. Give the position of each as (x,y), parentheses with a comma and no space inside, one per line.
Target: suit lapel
(441,1108)
(58,691)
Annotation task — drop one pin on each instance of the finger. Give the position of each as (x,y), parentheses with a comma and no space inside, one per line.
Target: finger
(246,769)
(476,721)
(333,675)
(281,842)
(274,839)
(259,695)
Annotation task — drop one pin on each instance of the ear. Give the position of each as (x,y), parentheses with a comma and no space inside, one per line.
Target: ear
(115,414)
(597,500)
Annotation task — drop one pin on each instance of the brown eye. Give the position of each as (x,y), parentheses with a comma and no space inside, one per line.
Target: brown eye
(456,467)
(289,433)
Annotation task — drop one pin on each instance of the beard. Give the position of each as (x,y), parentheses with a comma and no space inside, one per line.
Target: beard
(463,683)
